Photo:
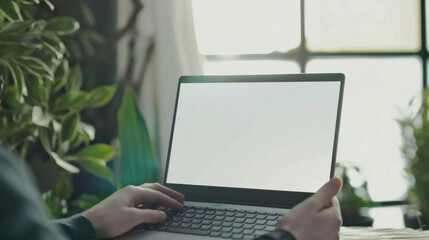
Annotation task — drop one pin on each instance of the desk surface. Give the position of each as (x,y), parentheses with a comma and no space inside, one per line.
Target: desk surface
(363,233)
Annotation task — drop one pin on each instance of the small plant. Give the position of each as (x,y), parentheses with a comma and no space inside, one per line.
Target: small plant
(41,99)
(415,149)
(353,198)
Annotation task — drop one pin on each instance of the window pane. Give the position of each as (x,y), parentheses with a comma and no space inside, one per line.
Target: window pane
(250,67)
(376,92)
(365,25)
(246,26)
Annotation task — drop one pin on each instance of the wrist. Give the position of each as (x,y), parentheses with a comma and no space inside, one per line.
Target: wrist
(278,234)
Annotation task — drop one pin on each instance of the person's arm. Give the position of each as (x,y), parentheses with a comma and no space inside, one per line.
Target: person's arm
(318,217)
(22,215)
(77,227)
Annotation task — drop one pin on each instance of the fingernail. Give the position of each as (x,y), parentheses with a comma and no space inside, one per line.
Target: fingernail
(336,182)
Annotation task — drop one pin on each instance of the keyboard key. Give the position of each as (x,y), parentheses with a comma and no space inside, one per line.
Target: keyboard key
(240,214)
(200,211)
(216,228)
(271,223)
(220,212)
(209,217)
(250,215)
(250,220)
(205,227)
(230,214)
(188,231)
(219,218)
(270,228)
(226,229)
(196,220)
(229,219)
(189,215)
(227,224)
(261,216)
(259,227)
(210,212)
(237,236)
(240,220)
(175,224)
(259,233)
(191,210)
(185,225)
(248,231)
(215,234)
(195,226)
(216,223)
(199,216)
(226,235)
(237,230)
(261,222)
(238,225)
(207,222)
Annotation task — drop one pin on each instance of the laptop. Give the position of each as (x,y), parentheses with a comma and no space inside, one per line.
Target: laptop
(245,149)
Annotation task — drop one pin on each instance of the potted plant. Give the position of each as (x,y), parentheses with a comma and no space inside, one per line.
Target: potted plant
(353,198)
(415,149)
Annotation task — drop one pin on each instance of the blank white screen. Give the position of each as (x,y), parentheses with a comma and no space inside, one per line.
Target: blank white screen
(271,135)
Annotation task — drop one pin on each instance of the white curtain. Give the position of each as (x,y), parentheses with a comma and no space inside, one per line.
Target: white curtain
(170,23)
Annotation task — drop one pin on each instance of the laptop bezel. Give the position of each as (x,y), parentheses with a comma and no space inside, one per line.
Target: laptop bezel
(256,197)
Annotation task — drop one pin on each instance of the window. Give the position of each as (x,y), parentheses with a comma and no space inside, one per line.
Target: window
(379,45)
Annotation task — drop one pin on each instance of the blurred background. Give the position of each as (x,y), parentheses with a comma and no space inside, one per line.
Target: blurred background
(145,46)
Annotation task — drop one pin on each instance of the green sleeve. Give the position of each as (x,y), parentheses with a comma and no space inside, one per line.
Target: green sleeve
(22,215)
(77,227)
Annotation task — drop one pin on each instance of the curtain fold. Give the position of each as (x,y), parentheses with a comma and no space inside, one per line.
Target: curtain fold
(170,24)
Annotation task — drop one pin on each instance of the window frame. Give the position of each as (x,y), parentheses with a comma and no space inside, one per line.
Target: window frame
(301,55)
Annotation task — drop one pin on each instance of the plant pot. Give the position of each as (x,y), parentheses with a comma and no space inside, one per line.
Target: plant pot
(358,220)
(412,221)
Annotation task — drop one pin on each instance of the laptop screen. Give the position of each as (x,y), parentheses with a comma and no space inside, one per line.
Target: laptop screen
(254,135)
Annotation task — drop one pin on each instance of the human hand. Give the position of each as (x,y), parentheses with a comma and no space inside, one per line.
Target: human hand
(129,207)
(318,217)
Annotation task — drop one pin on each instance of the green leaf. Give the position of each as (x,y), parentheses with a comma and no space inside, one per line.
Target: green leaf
(87,201)
(101,96)
(87,131)
(10,10)
(36,89)
(61,76)
(63,164)
(40,118)
(13,50)
(69,127)
(98,151)
(44,139)
(137,161)
(18,78)
(12,97)
(71,100)
(87,15)
(75,79)
(50,5)
(36,66)
(14,28)
(97,168)
(62,188)
(62,26)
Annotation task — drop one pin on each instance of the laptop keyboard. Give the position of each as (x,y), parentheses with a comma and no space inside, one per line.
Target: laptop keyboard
(217,222)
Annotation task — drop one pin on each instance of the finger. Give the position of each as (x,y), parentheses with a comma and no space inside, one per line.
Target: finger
(332,216)
(325,194)
(137,216)
(168,191)
(148,196)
